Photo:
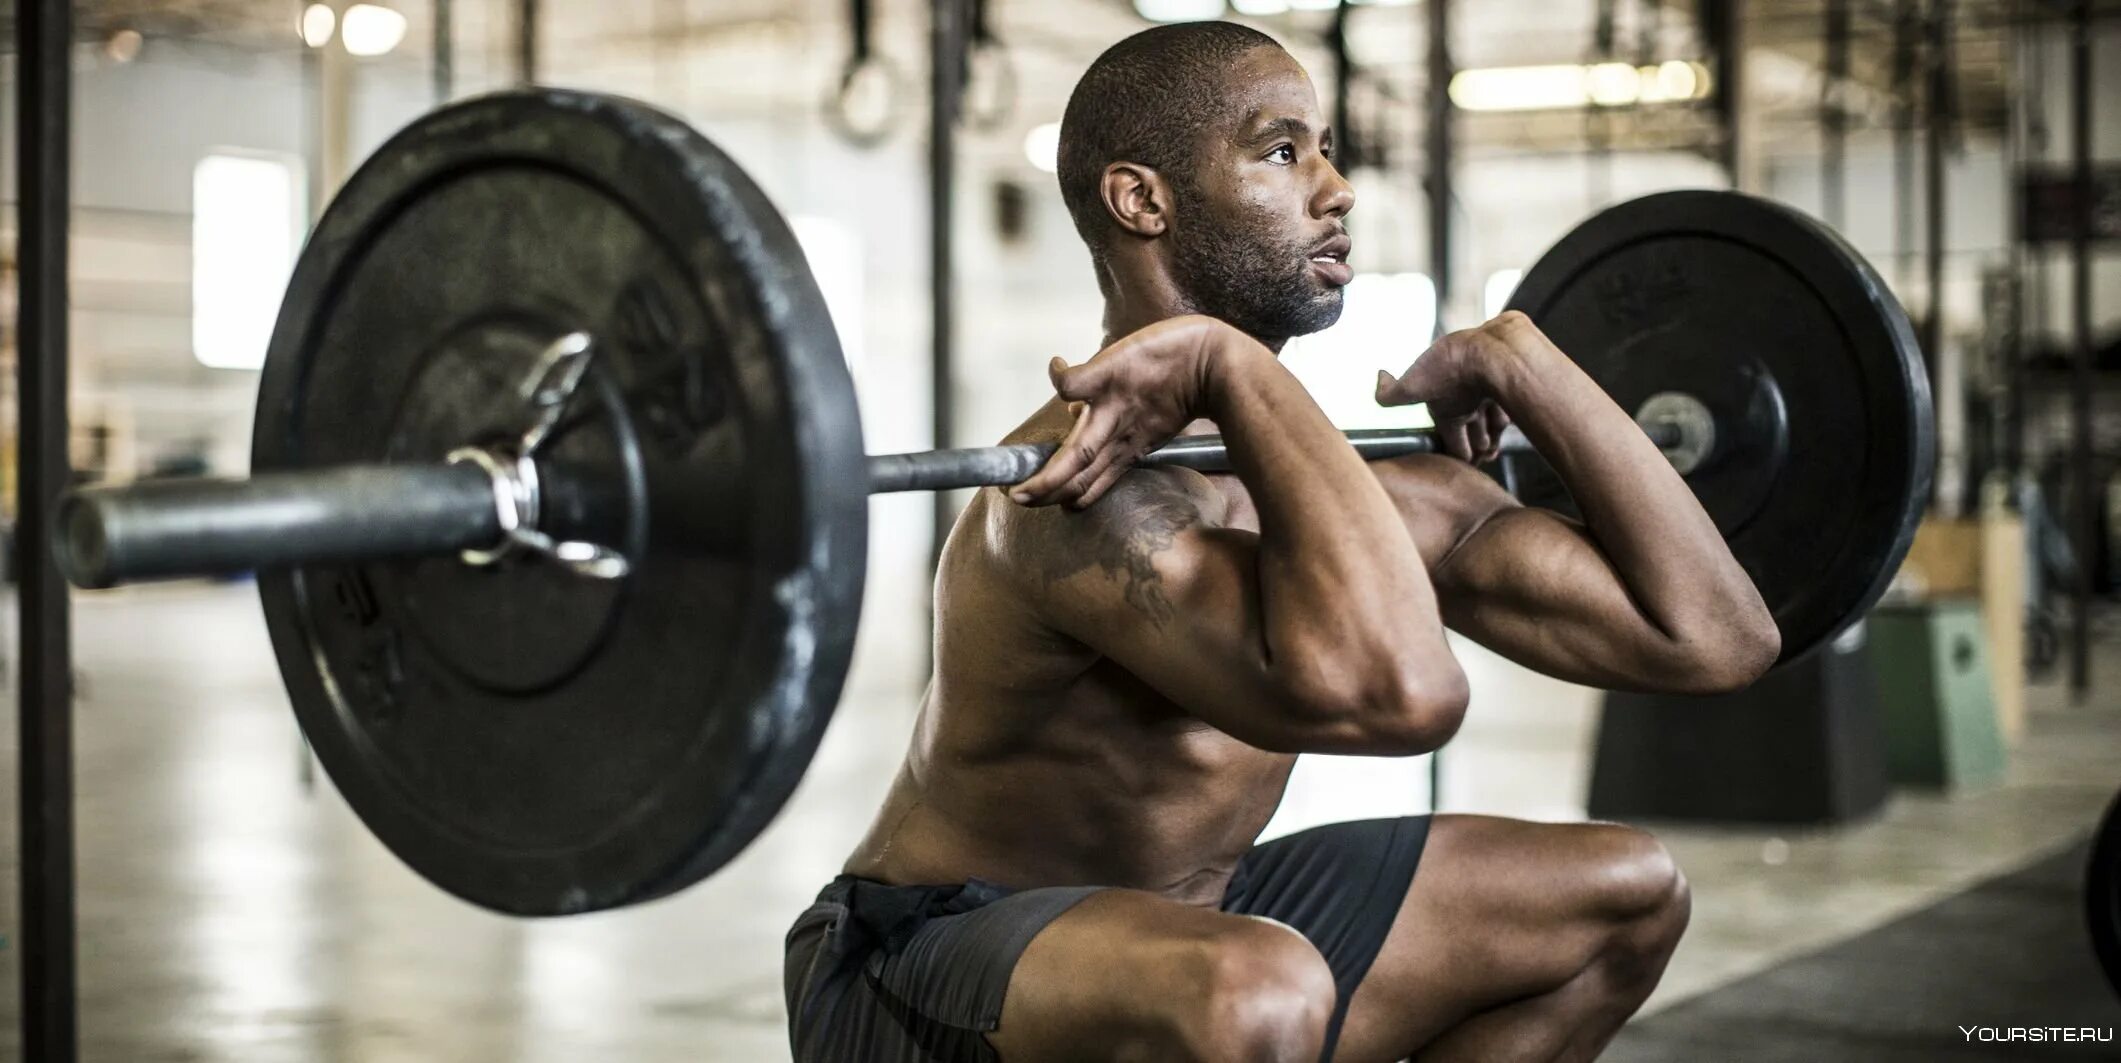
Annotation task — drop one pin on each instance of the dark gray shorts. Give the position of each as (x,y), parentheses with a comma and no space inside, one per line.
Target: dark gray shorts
(916,974)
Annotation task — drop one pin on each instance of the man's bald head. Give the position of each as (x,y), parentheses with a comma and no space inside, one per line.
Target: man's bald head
(1148,100)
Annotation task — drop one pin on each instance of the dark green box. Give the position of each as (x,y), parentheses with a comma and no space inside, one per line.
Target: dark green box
(1933,682)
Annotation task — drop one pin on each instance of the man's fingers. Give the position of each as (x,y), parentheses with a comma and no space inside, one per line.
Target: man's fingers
(1113,454)
(1403,390)
(1476,437)
(1104,483)
(1388,391)
(1453,438)
(1075,453)
(1078,383)
(1498,420)
(1050,483)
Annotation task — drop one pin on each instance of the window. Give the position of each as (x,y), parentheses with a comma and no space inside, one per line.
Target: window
(1386,321)
(246,230)
(834,251)
(1495,295)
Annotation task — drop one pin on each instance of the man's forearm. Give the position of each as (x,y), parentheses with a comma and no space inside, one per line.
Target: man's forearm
(1340,579)
(1642,513)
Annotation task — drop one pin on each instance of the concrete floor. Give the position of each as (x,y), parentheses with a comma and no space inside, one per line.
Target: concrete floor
(229,911)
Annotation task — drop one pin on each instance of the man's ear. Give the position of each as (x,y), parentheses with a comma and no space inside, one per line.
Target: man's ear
(1137,197)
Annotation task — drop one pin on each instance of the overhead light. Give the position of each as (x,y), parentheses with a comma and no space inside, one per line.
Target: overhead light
(1179,10)
(372,30)
(1568,85)
(1676,79)
(1518,88)
(316,24)
(1271,8)
(1042,146)
(1612,84)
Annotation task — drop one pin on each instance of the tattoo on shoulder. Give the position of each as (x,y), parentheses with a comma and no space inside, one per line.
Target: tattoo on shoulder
(1122,535)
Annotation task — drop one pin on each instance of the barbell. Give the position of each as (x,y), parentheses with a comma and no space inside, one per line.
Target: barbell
(559,499)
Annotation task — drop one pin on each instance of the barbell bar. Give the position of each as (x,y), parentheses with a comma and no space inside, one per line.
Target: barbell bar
(180,528)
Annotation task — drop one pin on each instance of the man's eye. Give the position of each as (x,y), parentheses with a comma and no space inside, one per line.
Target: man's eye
(1284,153)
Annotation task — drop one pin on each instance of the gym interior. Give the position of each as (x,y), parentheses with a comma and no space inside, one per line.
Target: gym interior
(1902,842)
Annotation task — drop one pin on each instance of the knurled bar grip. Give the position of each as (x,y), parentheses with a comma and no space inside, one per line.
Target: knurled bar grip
(945,470)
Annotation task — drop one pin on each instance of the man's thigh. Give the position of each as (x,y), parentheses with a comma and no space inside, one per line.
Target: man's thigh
(1123,974)
(1499,910)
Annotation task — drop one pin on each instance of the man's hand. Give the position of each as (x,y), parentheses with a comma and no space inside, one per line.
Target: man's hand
(1458,377)
(1129,399)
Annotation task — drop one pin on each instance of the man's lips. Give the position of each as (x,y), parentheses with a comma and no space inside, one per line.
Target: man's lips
(1330,260)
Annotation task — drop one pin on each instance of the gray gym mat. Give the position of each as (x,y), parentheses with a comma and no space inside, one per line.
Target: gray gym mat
(2010,952)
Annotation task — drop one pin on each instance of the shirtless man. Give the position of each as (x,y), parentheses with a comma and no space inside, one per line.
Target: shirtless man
(1128,659)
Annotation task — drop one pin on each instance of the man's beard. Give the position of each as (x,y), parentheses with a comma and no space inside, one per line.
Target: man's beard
(1231,269)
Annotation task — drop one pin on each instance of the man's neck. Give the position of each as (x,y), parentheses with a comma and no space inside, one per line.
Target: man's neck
(1137,305)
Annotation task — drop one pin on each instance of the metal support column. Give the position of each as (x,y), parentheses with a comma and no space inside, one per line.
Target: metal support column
(527,42)
(1598,118)
(1833,118)
(2081,478)
(2011,447)
(1938,136)
(1442,116)
(44,32)
(946,59)
(335,95)
(1347,152)
(444,66)
(1905,14)
(1725,36)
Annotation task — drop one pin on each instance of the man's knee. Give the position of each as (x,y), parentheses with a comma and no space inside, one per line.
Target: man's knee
(1258,993)
(1641,892)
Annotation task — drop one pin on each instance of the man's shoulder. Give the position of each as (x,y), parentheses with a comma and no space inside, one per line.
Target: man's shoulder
(1143,495)
(1139,515)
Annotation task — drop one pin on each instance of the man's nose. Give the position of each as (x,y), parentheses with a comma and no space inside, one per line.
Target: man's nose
(1335,195)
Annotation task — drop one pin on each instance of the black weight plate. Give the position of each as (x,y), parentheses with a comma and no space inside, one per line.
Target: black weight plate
(531,740)
(2102,894)
(1825,440)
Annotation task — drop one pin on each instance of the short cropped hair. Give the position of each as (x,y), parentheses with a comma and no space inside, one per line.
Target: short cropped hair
(1146,100)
